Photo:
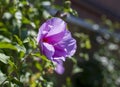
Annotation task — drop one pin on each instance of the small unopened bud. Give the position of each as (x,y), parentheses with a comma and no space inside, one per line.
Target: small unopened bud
(61,14)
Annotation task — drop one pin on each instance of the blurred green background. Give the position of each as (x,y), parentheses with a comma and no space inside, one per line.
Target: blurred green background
(95,64)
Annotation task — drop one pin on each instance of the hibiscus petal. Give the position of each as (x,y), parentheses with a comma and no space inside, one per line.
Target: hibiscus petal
(71,47)
(59,58)
(43,30)
(57,31)
(48,50)
(59,67)
(60,52)
(69,44)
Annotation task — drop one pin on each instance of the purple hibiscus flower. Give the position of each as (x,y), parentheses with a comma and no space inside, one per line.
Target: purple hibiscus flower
(56,42)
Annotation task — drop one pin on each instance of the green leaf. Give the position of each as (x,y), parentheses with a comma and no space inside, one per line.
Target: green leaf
(16,81)
(4,39)
(87,44)
(12,66)
(1,24)
(3,77)
(38,66)
(33,43)
(25,20)
(74,60)
(76,69)
(20,48)
(18,40)
(4,58)
(4,45)
(40,56)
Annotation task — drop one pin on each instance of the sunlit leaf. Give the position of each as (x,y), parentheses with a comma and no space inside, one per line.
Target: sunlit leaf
(4,45)
(76,69)
(18,39)
(4,58)
(39,67)
(20,48)
(12,66)
(4,39)
(87,44)
(2,77)
(16,81)
(40,56)
(32,42)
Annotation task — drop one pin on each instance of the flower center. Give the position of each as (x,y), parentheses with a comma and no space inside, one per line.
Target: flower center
(45,40)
